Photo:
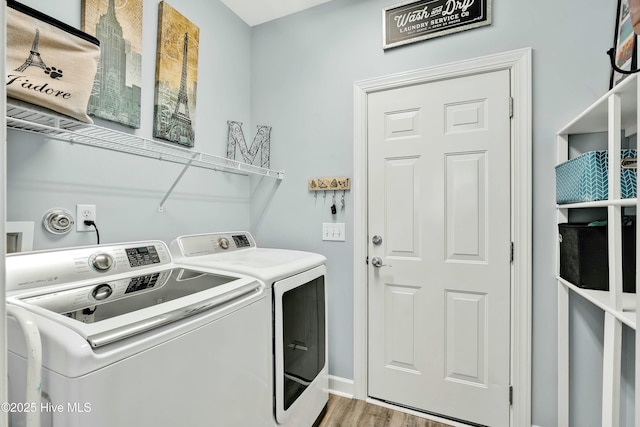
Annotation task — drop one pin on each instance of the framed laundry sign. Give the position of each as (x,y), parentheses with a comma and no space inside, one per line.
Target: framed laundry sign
(414,21)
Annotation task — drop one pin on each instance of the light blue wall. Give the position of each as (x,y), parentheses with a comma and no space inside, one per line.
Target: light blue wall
(296,74)
(303,68)
(127,191)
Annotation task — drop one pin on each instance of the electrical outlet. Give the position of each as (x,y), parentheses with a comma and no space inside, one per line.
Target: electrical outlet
(85,212)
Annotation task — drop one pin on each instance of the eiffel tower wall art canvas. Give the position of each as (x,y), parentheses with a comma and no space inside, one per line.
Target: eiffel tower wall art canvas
(116,93)
(176,77)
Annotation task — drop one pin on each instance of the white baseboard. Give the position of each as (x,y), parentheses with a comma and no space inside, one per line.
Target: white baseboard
(341,386)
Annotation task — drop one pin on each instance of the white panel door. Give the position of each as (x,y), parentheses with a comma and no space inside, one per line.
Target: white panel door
(439,199)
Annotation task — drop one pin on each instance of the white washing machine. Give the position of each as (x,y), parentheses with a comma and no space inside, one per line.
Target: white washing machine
(131,339)
(297,282)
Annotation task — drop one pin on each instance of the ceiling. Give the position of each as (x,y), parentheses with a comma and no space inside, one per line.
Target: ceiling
(255,12)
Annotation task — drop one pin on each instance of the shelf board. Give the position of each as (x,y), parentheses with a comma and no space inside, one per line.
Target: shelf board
(26,119)
(602,300)
(627,203)
(595,118)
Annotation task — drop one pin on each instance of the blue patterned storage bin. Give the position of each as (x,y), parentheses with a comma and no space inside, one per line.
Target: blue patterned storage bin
(584,178)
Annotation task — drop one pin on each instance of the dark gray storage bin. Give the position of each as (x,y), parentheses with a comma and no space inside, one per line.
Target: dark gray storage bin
(584,257)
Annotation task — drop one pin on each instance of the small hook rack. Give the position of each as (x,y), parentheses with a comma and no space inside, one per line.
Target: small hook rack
(329,184)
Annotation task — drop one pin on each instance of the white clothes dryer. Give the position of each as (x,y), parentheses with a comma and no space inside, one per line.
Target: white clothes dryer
(297,282)
(130,339)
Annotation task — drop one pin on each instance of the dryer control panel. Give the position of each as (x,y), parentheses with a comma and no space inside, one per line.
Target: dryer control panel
(212,243)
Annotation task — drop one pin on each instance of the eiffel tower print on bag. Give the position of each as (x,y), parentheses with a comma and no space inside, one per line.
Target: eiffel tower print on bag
(49,63)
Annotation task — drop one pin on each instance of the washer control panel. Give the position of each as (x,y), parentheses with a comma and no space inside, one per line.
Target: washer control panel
(26,270)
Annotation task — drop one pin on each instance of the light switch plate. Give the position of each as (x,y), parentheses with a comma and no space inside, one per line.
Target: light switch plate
(333,231)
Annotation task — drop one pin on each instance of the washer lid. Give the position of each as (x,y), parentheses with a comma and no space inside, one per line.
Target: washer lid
(108,311)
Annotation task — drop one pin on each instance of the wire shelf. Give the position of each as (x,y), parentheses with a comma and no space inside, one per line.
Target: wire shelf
(61,128)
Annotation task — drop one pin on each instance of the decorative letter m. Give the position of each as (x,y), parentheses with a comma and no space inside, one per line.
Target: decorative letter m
(261,141)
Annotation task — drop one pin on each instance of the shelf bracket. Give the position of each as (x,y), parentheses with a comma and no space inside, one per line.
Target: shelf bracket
(184,170)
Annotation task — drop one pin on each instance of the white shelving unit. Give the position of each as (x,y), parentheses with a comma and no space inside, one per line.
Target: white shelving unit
(616,112)
(57,127)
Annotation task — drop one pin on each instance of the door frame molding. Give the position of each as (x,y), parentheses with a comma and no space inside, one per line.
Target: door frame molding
(518,62)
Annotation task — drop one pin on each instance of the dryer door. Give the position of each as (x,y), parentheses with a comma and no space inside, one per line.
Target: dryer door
(300,345)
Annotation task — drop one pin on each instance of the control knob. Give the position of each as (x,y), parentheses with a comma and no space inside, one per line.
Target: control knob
(223,242)
(101,292)
(101,262)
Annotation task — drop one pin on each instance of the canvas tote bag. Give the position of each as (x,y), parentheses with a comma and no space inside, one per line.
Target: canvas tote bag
(49,63)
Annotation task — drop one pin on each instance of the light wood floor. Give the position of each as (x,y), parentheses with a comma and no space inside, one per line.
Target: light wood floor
(344,412)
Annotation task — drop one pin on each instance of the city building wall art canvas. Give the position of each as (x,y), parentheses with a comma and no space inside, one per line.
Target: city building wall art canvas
(176,77)
(116,92)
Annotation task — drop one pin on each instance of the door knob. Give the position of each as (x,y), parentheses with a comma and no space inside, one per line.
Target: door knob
(377,262)
(377,240)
